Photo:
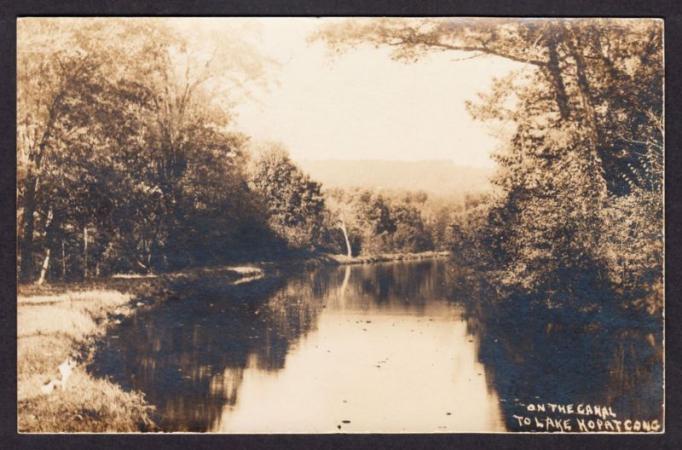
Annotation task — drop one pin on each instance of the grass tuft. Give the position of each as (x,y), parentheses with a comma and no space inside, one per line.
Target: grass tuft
(87,405)
(54,326)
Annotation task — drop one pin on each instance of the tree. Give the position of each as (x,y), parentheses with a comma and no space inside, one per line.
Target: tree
(197,165)
(374,220)
(339,216)
(410,234)
(294,202)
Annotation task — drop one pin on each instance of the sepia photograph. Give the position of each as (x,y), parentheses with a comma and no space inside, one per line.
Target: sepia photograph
(340,225)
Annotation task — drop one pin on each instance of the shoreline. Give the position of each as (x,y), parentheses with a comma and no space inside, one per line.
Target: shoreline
(386,257)
(61,322)
(64,322)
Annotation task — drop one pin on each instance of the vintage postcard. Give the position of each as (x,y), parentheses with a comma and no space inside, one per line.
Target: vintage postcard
(340,225)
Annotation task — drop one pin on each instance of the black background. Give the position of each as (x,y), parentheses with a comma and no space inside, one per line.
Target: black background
(671,11)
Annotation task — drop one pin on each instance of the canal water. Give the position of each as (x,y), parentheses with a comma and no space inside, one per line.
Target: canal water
(387,348)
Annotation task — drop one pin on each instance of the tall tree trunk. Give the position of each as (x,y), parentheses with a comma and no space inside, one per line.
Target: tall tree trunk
(63,261)
(36,160)
(26,244)
(553,37)
(149,256)
(49,231)
(584,91)
(342,225)
(85,252)
(45,266)
(586,98)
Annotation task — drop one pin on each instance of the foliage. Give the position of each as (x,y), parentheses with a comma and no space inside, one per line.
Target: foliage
(294,202)
(578,219)
(380,223)
(124,160)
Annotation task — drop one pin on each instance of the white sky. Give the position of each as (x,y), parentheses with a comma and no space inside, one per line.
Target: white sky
(362,104)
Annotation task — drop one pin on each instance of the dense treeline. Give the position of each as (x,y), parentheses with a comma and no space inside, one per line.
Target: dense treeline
(578,217)
(126,161)
(391,221)
(353,221)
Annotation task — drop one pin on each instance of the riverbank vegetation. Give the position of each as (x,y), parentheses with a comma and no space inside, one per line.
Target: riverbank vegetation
(577,217)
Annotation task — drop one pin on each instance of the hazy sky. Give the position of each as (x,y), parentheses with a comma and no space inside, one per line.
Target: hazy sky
(362,104)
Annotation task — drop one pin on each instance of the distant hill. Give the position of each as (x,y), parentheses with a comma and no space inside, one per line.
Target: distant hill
(435,177)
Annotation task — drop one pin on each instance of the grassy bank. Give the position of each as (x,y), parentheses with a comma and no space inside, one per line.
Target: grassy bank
(55,326)
(58,322)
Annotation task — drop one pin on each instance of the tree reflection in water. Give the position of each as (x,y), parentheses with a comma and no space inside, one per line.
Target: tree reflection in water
(539,355)
(190,355)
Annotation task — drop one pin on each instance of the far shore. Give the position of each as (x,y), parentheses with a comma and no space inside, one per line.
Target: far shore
(239,272)
(386,257)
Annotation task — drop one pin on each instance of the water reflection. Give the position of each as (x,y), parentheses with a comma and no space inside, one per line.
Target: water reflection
(188,355)
(539,356)
(382,348)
